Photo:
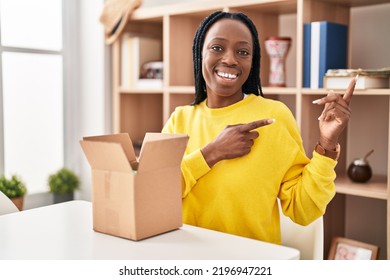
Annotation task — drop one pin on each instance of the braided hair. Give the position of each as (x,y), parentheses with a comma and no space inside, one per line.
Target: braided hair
(252,84)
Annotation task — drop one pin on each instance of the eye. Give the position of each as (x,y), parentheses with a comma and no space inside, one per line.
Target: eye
(216,48)
(243,52)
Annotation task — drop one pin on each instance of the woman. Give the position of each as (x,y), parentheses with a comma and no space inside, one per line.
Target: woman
(244,150)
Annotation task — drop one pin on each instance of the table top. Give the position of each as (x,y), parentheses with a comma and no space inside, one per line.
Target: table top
(64,232)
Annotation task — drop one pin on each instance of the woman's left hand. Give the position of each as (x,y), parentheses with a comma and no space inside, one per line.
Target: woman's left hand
(335,116)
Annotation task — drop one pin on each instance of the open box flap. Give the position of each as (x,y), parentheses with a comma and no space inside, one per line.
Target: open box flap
(106,156)
(121,138)
(161,150)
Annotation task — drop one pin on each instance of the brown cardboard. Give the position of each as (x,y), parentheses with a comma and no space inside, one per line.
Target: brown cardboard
(130,203)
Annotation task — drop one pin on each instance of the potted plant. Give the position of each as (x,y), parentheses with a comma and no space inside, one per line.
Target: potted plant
(14,189)
(62,184)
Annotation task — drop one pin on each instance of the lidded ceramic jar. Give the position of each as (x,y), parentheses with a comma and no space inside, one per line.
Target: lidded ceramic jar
(360,170)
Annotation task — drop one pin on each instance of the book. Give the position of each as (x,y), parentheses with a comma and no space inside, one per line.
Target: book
(306,54)
(328,50)
(135,52)
(363,82)
(385,71)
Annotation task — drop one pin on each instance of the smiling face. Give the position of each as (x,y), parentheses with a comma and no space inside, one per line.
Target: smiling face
(227,59)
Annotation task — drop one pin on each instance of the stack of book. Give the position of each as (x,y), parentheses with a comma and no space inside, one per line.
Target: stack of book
(368,78)
(325,47)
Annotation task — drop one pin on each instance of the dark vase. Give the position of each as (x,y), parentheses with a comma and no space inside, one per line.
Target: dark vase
(359,171)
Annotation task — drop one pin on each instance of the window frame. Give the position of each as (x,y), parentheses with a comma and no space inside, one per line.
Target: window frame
(70,74)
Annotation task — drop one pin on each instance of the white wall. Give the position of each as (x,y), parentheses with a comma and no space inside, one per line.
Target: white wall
(94,108)
(87,99)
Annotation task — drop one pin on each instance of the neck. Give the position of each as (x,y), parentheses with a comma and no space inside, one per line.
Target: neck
(217,101)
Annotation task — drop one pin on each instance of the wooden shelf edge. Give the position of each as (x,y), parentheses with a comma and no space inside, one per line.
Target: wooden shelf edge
(141,91)
(280,90)
(266,90)
(376,187)
(157,12)
(206,6)
(323,91)
(181,89)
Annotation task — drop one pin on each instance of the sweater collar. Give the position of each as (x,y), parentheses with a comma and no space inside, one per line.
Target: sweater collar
(228,109)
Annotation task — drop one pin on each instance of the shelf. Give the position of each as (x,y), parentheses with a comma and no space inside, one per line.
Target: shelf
(266,90)
(322,91)
(141,91)
(182,89)
(203,8)
(376,187)
(357,3)
(373,91)
(280,90)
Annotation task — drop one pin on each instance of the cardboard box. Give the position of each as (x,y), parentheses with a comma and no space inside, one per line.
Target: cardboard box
(136,198)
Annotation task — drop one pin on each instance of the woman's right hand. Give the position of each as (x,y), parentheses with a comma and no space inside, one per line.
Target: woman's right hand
(233,142)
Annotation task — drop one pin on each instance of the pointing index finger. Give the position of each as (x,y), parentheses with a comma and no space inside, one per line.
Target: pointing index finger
(256,124)
(351,87)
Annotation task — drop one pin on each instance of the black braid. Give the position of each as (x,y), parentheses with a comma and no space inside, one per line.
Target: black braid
(252,84)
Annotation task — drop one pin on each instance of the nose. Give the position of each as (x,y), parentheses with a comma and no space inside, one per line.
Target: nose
(229,57)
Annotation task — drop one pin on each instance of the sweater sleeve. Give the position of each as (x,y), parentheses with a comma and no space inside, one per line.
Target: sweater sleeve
(308,185)
(304,198)
(193,167)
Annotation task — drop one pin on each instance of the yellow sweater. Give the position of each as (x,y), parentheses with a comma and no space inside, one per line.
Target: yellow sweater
(239,196)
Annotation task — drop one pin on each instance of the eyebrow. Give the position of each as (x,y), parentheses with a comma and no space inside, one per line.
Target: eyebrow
(223,39)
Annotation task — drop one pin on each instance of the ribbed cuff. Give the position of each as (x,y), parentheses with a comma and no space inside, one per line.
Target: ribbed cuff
(196,163)
(323,165)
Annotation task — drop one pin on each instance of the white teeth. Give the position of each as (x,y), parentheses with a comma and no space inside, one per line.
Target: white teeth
(227,75)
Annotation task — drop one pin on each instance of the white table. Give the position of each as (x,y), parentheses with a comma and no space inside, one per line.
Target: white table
(64,232)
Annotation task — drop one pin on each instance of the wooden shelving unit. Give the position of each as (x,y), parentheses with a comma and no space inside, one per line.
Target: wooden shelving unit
(141,110)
